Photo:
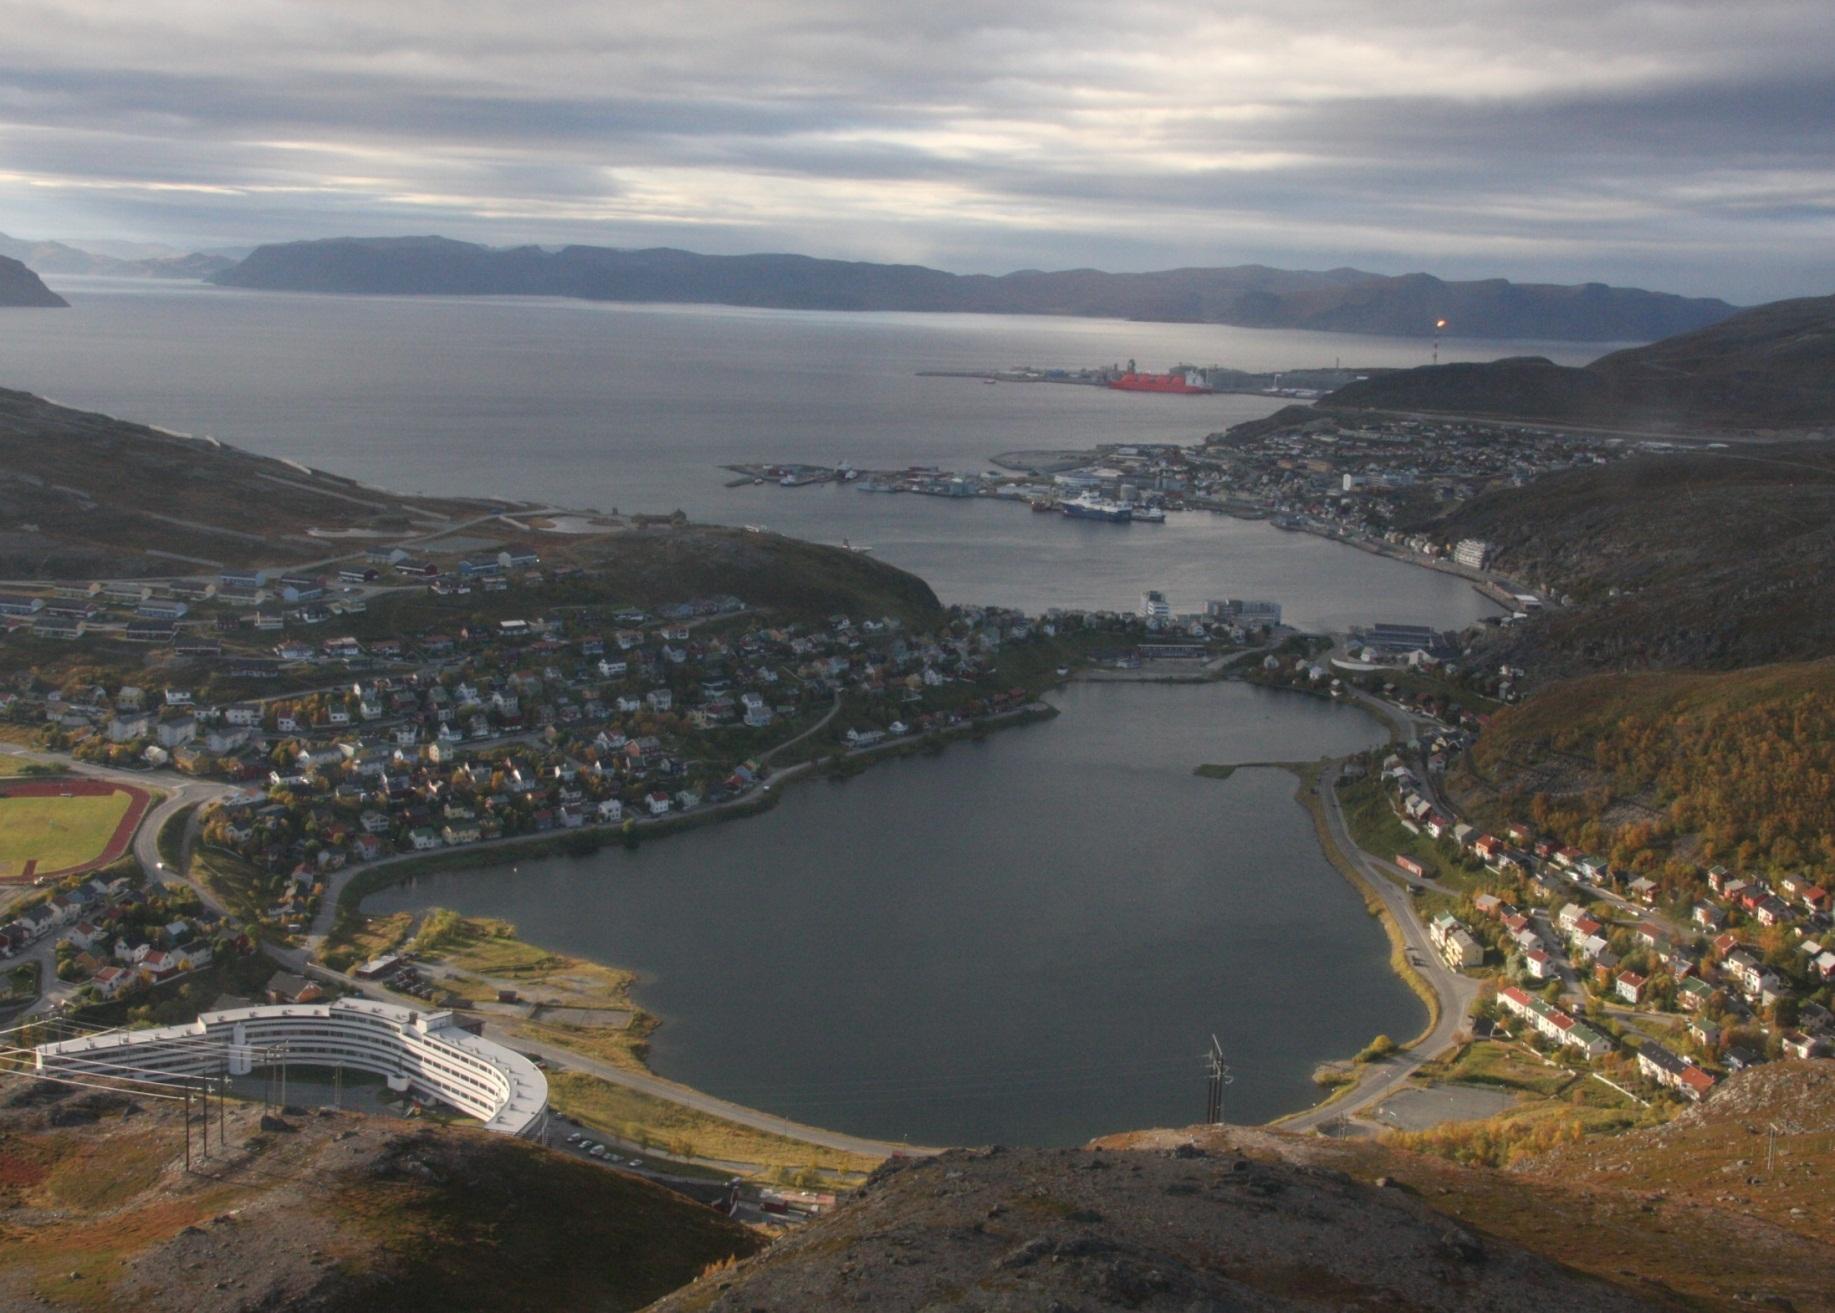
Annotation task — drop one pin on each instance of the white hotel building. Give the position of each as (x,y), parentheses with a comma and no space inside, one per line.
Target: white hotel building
(426,1053)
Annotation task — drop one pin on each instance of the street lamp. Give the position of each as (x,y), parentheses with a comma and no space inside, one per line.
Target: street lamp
(1439,324)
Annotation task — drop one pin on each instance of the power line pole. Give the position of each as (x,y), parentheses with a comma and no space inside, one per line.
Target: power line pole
(1218,1075)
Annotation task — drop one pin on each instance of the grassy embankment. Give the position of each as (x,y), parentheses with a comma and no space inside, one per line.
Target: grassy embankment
(1398,947)
(570,1002)
(679,1131)
(20,984)
(171,838)
(1555,1105)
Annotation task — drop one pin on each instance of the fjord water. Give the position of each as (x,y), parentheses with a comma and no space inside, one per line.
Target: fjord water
(1026,940)
(637,407)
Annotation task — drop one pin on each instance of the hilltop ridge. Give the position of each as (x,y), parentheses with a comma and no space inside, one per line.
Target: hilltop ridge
(331,1212)
(1335,300)
(1258,1219)
(1770,367)
(1705,558)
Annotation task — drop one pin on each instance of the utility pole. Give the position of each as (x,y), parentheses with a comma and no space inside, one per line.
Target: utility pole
(187,1128)
(1217,1076)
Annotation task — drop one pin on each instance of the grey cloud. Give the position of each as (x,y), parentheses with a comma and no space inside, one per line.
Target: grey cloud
(1571,140)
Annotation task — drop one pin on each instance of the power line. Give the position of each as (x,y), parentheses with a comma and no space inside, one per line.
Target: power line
(1217,1076)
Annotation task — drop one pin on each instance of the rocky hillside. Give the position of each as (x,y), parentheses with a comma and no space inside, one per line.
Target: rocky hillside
(83,494)
(332,1213)
(1725,1207)
(23,289)
(1335,300)
(663,564)
(1176,1230)
(1686,1214)
(1767,369)
(1670,772)
(1703,558)
(1762,1148)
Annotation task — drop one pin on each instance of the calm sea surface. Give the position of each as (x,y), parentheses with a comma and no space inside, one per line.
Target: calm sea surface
(1029,939)
(1025,940)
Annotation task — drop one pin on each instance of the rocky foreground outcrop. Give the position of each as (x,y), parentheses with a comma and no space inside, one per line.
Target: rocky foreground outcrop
(1184,1229)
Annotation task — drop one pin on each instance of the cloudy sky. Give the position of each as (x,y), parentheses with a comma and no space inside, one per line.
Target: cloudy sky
(1681,145)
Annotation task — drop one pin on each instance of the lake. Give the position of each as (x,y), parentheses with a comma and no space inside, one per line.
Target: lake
(1029,939)
(637,407)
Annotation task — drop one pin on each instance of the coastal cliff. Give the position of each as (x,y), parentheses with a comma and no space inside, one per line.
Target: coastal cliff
(22,289)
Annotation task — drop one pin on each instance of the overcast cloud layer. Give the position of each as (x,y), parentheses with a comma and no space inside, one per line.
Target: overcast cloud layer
(1678,145)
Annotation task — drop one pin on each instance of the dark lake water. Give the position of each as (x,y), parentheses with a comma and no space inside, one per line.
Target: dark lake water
(1026,940)
(636,407)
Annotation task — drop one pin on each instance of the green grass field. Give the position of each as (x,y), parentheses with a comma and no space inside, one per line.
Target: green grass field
(58,832)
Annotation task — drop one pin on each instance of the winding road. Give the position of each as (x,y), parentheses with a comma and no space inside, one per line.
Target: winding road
(1454,991)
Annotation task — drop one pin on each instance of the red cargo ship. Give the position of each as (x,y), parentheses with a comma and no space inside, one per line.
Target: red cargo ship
(1177,383)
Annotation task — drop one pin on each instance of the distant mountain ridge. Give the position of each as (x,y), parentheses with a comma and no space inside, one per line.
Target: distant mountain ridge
(20,287)
(53,257)
(1770,367)
(1250,296)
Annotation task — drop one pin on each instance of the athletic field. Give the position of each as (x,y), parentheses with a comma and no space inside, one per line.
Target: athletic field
(58,827)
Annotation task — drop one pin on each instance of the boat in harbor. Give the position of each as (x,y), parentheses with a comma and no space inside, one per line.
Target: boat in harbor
(1149,515)
(1044,505)
(1089,507)
(1184,383)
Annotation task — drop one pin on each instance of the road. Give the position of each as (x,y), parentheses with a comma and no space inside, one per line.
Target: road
(1455,992)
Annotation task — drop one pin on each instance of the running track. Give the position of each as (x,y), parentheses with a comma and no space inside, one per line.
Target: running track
(116,849)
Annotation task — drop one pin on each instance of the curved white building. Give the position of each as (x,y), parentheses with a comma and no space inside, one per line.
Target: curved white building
(425,1052)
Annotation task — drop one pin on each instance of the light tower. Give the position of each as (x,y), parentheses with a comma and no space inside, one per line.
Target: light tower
(1438,325)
